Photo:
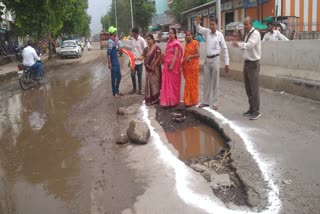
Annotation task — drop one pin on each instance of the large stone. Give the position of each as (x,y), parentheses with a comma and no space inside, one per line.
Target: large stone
(138,132)
(129,110)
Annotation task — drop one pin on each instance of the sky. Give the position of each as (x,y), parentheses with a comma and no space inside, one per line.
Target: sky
(97,9)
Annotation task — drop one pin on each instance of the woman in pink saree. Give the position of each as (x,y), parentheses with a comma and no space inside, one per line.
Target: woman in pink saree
(171,75)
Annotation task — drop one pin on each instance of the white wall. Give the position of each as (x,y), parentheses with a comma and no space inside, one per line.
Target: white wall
(295,54)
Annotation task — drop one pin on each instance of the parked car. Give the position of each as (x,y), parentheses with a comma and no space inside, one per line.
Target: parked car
(70,48)
(181,37)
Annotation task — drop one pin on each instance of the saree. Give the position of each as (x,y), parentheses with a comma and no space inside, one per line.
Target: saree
(152,62)
(171,79)
(190,72)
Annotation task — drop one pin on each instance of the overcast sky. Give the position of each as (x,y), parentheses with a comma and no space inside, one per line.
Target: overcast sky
(97,8)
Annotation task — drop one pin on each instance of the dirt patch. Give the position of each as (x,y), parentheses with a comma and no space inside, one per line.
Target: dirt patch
(166,120)
(219,164)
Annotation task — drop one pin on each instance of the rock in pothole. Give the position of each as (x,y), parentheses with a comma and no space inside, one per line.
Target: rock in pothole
(138,132)
(220,180)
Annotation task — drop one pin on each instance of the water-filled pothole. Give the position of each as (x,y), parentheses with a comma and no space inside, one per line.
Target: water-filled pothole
(205,149)
(195,141)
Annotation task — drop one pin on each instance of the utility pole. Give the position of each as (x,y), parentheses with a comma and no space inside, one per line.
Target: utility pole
(258,10)
(132,24)
(115,14)
(218,12)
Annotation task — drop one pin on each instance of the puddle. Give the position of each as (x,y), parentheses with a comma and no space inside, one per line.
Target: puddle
(196,141)
(39,160)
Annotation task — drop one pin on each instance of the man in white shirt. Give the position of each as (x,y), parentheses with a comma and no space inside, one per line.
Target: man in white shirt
(252,54)
(138,44)
(273,35)
(214,41)
(31,58)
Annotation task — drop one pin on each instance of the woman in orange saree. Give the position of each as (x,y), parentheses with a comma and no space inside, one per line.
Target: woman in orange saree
(190,70)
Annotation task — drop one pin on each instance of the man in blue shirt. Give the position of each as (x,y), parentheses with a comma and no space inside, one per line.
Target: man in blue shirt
(113,62)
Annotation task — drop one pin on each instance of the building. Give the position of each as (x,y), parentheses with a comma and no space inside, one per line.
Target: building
(161,19)
(297,15)
(7,32)
(308,12)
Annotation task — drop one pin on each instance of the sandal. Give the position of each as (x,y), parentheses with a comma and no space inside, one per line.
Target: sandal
(202,105)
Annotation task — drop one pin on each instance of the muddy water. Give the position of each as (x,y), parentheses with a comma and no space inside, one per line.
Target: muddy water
(39,160)
(196,141)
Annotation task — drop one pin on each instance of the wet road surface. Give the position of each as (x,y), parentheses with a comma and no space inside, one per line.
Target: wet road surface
(46,166)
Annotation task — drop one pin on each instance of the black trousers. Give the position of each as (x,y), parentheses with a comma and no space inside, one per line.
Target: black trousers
(251,72)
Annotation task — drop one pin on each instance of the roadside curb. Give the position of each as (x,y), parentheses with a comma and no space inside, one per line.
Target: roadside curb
(300,87)
(7,76)
(246,167)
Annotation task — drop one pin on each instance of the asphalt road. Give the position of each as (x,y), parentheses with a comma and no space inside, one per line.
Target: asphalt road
(58,151)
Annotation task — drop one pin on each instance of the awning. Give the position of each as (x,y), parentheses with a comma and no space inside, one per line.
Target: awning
(234,26)
(268,19)
(258,25)
(154,28)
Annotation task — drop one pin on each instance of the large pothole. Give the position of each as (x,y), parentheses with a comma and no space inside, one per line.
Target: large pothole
(209,150)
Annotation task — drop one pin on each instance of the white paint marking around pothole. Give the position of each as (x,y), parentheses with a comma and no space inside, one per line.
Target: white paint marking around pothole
(204,202)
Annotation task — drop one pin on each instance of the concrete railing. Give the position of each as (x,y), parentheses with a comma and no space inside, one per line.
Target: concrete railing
(296,54)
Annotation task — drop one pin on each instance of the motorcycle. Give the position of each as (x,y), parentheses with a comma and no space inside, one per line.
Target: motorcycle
(18,53)
(27,77)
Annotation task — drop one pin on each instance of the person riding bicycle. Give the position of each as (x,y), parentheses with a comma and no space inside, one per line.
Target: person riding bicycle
(31,58)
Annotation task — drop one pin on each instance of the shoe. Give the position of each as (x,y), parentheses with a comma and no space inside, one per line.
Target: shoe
(140,92)
(255,115)
(215,108)
(202,105)
(120,94)
(247,113)
(133,91)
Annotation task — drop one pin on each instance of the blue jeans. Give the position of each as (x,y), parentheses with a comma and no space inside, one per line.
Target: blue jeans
(115,79)
(138,70)
(38,67)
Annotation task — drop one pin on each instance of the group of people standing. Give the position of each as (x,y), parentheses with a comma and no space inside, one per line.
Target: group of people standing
(163,70)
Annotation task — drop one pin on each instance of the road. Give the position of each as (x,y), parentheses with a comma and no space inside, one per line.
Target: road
(58,151)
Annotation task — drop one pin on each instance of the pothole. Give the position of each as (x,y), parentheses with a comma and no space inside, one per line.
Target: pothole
(206,150)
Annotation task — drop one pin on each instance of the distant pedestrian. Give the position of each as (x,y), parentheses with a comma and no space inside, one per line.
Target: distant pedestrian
(152,61)
(138,44)
(252,54)
(215,43)
(113,62)
(171,76)
(190,70)
(273,35)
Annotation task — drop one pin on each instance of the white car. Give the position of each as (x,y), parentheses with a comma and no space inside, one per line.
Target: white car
(70,48)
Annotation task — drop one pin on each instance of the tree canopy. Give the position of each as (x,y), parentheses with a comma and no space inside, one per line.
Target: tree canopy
(44,17)
(142,15)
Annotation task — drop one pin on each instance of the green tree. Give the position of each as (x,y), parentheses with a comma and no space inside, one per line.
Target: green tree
(178,6)
(48,17)
(77,21)
(142,15)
